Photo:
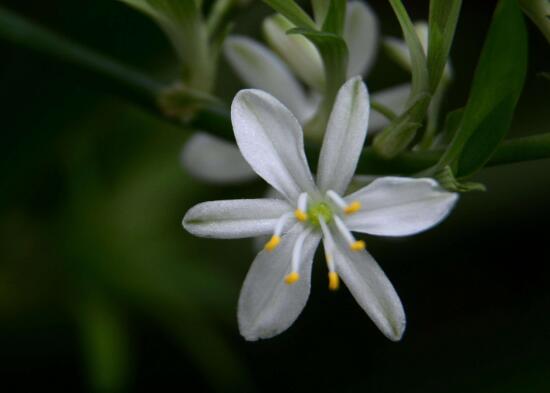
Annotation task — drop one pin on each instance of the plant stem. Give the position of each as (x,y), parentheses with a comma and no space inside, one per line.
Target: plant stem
(140,89)
(133,84)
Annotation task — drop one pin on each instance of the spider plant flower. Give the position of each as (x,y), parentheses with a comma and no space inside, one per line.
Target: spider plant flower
(283,72)
(278,283)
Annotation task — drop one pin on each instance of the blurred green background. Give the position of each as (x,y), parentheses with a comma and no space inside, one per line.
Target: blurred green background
(101,290)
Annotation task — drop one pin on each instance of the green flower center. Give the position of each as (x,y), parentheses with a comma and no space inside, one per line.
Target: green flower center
(318,210)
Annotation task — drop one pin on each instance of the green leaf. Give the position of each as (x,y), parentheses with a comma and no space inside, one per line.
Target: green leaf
(335,18)
(292,12)
(442,25)
(496,88)
(397,136)
(420,78)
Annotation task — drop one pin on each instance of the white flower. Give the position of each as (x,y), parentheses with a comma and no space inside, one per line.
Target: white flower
(278,283)
(274,72)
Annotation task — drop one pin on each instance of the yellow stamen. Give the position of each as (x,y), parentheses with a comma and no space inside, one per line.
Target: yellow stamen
(300,215)
(353,207)
(333,281)
(273,243)
(292,278)
(359,245)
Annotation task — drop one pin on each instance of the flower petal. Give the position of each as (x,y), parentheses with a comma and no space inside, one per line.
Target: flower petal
(268,306)
(296,50)
(215,160)
(261,69)
(345,136)
(371,289)
(271,140)
(395,98)
(400,206)
(233,219)
(361,35)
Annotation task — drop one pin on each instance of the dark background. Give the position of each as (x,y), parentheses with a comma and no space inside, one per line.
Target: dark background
(102,290)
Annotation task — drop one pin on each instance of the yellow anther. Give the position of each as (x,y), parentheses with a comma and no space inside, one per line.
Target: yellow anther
(353,207)
(273,243)
(333,281)
(359,245)
(300,215)
(292,278)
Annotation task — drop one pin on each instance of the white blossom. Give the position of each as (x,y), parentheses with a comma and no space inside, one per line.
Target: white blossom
(277,285)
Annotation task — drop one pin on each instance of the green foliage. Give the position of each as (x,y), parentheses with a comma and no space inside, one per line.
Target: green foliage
(335,17)
(293,12)
(495,91)
(399,134)
(442,25)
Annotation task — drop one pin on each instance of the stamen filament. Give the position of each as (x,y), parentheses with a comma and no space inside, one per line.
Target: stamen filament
(350,208)
(328,243)
(276,238)
(355,245)
(294,276)
(337,199)
(300,212)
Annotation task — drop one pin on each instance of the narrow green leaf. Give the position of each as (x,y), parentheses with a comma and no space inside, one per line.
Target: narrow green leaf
(335,18)
(397,136)
(496,88)
(442,25)
(420,78)
(292,12)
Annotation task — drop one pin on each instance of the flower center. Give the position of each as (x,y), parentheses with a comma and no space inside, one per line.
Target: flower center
(318,215)
(317,211)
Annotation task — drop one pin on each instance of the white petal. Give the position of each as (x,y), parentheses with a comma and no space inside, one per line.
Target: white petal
(233,219)
(400,206)
(272,141)
(215,160)
(268,306)
(261,69)
(361,35)
(345,136)
(395,98)
(371,289)
(296,50)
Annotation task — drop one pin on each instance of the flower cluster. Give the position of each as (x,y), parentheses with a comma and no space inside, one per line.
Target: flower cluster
(293,62)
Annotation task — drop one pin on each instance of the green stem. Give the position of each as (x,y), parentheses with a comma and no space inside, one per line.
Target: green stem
(512,151)
(133,84)
(139,88)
